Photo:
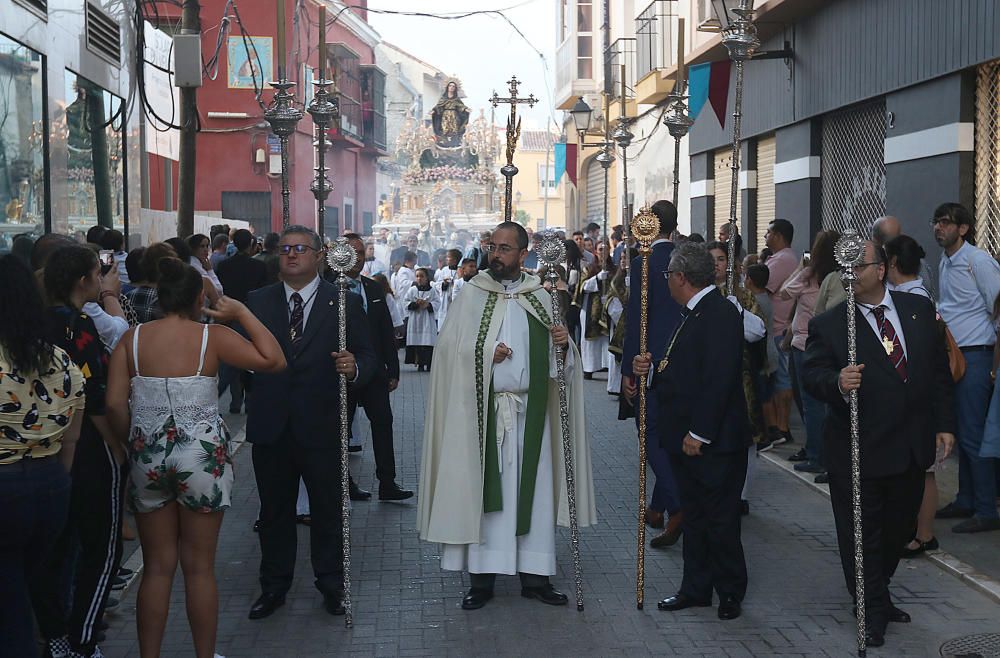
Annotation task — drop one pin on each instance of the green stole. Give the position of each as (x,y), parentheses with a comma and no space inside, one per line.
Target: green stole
(534,428)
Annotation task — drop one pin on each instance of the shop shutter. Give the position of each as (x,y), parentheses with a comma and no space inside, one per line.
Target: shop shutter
(853,166)
(765,188)
(595,193)
(987,211)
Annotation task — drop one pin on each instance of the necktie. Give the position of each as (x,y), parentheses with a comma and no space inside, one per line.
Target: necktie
(889,337)
(297,319)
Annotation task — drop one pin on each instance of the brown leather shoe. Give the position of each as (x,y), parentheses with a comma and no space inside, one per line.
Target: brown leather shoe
(670,535)
(654,519)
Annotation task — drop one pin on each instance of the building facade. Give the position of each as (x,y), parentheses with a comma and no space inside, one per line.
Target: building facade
(68,144)
(238,161)
(883,107)
(538,198)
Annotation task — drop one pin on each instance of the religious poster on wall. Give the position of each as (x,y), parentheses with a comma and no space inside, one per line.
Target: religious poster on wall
(250,62)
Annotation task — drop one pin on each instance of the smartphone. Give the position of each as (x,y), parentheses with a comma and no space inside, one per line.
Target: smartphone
(107,259)
(806,258)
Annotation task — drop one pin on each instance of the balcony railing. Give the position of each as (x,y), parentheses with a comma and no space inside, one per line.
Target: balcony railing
(621,51)
(656,37)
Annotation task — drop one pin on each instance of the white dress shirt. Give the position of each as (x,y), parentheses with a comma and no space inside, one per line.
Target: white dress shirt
(308,294)
(891,315)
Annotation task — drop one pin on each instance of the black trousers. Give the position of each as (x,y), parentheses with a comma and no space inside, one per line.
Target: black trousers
(93,535)
(277,468)
(710,487)
(889,508)
(374,397)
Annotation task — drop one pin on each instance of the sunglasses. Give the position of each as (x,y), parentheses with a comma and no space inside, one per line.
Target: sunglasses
(300,249)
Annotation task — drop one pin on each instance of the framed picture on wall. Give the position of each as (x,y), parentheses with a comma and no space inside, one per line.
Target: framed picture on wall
(251,62)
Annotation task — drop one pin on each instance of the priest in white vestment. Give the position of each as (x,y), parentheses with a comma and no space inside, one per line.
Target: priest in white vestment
(493,484)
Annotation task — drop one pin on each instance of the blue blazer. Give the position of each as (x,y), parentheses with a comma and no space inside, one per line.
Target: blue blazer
(701,389)
(303,398)
(663,312)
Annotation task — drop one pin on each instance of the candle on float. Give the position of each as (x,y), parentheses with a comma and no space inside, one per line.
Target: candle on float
(322,41)
(281,39)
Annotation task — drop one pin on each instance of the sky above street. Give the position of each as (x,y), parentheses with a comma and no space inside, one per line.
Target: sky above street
(483,51)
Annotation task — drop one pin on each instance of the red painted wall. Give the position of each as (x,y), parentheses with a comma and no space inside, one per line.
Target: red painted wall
(226,146)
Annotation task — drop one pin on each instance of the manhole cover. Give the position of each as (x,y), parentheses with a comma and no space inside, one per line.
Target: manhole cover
(972,646)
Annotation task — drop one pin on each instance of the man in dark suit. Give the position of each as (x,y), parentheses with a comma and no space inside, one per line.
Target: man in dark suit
(412,240)
(703,425)
(664,316)
(239,274)
(292,414)
(374,396)
(904,408)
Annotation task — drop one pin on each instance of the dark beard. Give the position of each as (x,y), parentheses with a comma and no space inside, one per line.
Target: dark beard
(500,272)
(468,277)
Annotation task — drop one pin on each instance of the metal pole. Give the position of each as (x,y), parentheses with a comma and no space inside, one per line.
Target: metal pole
(513,134)
(623,137)
(323,109)
(850,251)
(341,259)
(645,227)
(187,161)
(552,253)
(735,186)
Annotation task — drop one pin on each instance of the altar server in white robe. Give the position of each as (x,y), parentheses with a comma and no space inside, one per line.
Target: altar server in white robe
(445,280)
(493,481)
(594,335)
(422,303)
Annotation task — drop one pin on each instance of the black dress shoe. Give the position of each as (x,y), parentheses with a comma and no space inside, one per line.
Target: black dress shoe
(680,602)
(334,604)
(357,493)
(476,598)
(798,456)
(822,478)
(393,492)
(546,594)
(266,605)
(953,511)
(874,638)
(729,607)
(896,615)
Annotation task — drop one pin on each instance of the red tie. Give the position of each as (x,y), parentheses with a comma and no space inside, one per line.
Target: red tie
(897,356)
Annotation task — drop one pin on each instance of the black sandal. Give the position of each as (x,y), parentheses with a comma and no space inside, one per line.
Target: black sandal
(923,547)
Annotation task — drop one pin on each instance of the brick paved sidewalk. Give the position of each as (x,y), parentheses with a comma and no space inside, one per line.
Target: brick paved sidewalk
(405,605)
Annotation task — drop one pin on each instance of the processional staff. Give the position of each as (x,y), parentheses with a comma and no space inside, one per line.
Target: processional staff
(552,254)
(283,115)
(341,259)
(513,134)
(645,227)
(849,251)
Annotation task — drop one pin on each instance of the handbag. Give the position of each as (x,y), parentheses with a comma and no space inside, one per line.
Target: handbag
(956,360)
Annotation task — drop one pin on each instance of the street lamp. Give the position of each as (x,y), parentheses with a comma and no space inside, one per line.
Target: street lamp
(582,115)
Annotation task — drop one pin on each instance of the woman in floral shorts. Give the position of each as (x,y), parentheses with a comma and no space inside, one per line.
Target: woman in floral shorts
(180,466)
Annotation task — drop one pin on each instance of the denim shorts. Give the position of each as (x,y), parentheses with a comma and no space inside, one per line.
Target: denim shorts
(781,380)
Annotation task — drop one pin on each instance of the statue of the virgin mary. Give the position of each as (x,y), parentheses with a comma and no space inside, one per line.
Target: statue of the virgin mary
(450,117)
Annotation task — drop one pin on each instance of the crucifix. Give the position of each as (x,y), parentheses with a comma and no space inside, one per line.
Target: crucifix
(513,134)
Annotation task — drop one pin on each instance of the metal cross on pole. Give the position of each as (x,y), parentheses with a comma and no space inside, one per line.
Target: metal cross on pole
(513,134)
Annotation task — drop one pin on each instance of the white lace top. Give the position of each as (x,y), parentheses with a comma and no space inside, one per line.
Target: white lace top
(193,401)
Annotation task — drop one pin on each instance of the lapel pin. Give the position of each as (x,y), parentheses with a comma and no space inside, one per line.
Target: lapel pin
(331,304)
(914,316)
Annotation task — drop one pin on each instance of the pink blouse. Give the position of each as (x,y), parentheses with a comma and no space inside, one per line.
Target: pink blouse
(803,288)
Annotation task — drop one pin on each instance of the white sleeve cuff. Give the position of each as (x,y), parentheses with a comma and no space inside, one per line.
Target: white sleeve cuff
(698,438)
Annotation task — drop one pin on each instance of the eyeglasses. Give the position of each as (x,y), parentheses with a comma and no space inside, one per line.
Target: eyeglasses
(300,249)
(943,221)
(502,249)
(861,266)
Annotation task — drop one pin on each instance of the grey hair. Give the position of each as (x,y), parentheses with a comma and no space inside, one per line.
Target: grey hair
(298,229)
(485,235)
(693,260)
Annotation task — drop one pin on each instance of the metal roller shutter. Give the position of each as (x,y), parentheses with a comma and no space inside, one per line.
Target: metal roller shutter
(853,165)
(765,188)
(723,191)
(988,156)
(595,193)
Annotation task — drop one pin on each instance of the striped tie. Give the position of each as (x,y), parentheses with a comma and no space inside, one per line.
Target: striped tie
(296,321)
(897,356)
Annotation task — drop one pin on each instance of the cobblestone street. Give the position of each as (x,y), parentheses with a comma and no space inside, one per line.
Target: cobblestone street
(405,605)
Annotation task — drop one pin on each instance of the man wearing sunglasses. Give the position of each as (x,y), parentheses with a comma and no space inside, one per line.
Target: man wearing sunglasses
(291,414)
